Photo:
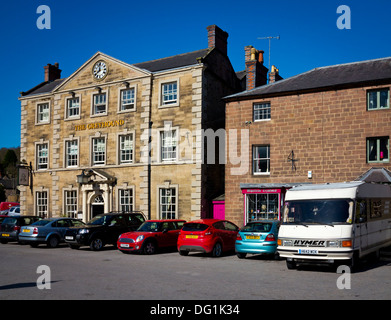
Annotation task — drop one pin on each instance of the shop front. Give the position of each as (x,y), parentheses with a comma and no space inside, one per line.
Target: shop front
(263,201)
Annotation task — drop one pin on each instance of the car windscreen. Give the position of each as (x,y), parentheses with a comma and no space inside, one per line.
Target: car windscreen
(257,227)
(150,226)
(195,227)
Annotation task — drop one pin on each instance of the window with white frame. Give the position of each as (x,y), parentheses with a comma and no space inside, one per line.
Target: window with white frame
(43,113)
(262,111)
(99,106)
(378,99)
(378,149)
(169,93)
(98,151)
(73,107)
(127,99)
(41,203)
(125,197)
(70,201)
(71,153)
(261,159)
(167,203)
(126,148)
(42,156)
(168,145)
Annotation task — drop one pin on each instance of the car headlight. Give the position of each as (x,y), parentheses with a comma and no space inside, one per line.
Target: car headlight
(140,238)
(83,231)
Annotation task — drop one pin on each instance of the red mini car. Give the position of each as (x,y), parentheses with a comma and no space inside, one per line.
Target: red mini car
(207,235)
(150,236)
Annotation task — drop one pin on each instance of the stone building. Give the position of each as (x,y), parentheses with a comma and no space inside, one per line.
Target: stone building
(115,136)
(330,124)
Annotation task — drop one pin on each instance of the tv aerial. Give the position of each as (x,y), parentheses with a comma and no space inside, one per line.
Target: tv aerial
(269,38)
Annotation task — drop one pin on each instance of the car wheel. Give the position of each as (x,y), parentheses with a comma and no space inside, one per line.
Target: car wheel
(149,248)
(217,250)
(183,252)
(96,244)
(53,242)
(241,255)
(4,241)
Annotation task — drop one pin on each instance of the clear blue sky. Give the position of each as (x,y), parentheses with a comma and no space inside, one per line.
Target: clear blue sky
(137,31)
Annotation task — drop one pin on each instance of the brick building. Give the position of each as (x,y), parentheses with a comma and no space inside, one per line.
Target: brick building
(96,124)
(330,124)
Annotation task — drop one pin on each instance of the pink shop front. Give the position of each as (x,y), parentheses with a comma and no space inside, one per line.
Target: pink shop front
(263,201)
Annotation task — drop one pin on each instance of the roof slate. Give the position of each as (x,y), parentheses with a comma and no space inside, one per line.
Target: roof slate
(325,77)
(177,61)
(43,87)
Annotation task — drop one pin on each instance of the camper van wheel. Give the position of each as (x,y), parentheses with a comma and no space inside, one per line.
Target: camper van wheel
(353,262)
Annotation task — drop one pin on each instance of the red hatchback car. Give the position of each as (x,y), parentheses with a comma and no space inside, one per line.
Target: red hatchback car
(207,235)
(150,236)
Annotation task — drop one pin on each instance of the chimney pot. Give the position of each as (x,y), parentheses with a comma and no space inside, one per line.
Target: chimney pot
(256,72)
(260,56)
(253,54)
(274,75)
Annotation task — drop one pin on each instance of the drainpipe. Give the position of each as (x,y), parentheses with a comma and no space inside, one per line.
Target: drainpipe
(149,164)
(150,123)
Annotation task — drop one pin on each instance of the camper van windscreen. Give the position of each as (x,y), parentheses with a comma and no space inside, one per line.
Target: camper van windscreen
(325,211)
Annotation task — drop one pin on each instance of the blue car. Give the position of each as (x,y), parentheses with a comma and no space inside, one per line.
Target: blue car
(258,237)
(49,231)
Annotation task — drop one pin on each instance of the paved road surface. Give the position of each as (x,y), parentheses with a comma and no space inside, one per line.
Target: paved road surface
(110,274)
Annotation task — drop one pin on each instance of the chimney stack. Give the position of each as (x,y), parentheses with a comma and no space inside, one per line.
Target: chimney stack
(274,75)
(217,38)
(256,72)
(52,72)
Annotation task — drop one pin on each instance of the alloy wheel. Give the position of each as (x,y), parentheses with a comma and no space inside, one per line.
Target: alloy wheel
(96,244)
(217,250)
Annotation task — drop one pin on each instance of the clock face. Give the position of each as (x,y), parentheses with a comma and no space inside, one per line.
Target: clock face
(99,70)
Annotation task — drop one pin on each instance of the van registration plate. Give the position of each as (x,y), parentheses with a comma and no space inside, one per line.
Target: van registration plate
(307,251)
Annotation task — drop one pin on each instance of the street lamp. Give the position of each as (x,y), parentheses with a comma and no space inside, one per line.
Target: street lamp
(84,178)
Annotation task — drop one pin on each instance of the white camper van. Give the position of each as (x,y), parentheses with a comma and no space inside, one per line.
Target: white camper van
(335,222)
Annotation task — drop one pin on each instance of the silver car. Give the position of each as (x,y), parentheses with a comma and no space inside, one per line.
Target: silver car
(47,231)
